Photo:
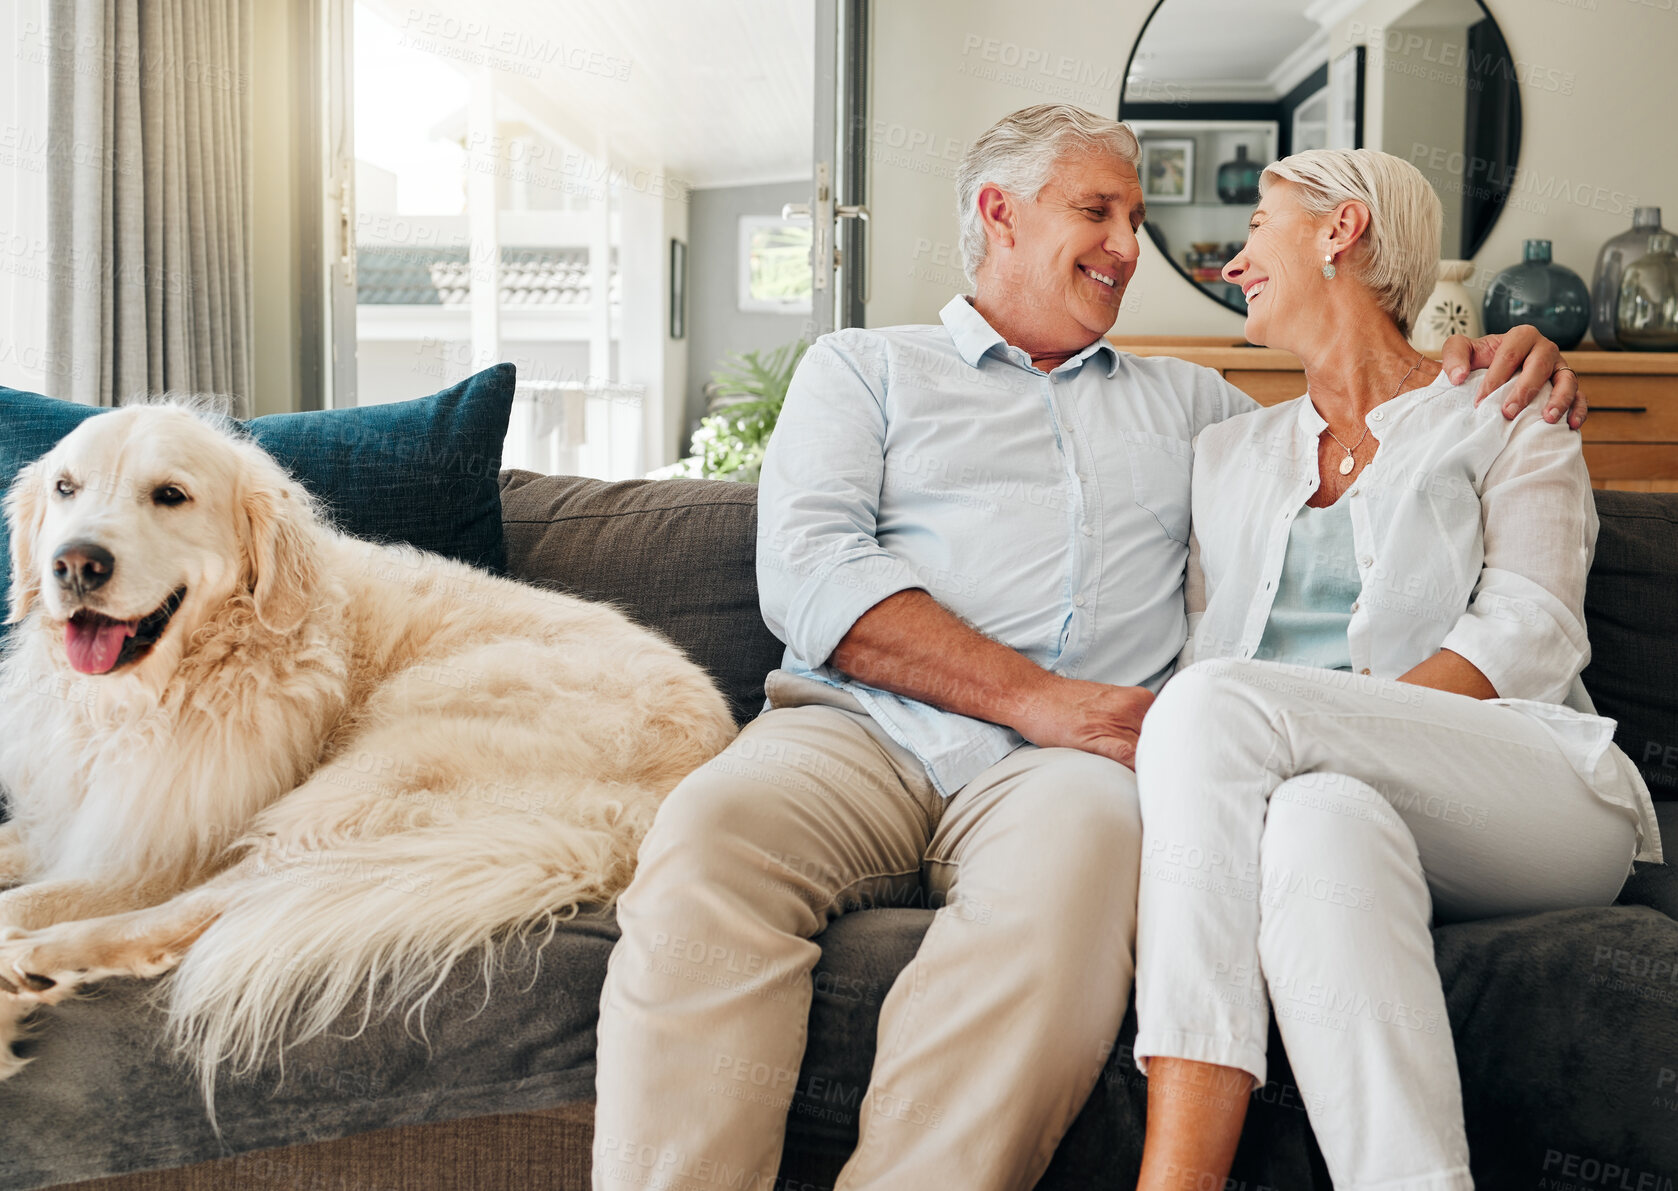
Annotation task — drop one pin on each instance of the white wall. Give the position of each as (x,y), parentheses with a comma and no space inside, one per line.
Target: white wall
(716,324)
(646,354)
(1598,92)
(1427,104)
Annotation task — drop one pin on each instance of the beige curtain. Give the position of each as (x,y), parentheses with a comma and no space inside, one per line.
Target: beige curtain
(148,111)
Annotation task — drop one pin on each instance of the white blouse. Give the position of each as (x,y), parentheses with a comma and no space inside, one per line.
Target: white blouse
(1473,533)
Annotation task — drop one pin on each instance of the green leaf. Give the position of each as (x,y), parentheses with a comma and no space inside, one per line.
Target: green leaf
(729,444)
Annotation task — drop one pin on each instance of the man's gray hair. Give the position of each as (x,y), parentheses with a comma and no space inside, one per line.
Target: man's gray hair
(1020,151)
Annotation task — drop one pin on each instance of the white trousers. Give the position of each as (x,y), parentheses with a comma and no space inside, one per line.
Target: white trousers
(1300,827)
(989,1041)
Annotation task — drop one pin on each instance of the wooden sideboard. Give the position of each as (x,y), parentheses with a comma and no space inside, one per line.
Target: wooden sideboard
(1631,436)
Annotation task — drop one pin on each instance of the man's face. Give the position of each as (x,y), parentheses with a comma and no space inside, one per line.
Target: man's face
(1074,250)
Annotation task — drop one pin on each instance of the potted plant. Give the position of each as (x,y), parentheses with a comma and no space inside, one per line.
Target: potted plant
(750,389)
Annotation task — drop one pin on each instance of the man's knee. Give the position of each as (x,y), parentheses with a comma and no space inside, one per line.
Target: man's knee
(1086,822)
(716,818)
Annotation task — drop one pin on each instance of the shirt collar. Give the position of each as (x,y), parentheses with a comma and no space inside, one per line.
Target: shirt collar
(1310,421)
(974,337)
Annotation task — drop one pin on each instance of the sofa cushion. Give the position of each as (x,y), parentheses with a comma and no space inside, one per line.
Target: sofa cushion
(1631,613)
(423,472)
(105,1097)
(676,555)
(426,472)
(1563,1024)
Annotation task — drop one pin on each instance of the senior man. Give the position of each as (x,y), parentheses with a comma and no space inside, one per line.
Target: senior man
(972,540)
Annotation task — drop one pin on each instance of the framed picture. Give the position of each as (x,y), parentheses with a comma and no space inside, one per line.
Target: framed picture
(1168,170)
(678,289)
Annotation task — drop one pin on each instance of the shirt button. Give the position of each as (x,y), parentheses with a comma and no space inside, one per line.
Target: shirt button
(1377,415)
(1364,561)
(1354,605)
(1351,492)
(1365,670)
(1078,600)
(1086,530)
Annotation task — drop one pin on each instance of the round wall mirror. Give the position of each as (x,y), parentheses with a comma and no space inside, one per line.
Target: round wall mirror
(1218,89)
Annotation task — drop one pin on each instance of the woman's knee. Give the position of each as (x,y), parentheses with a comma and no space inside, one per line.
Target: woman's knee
(1206,720)
(1209,698)
(1334,839)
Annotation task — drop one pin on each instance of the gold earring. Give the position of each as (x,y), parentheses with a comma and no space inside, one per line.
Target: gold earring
(1328,266)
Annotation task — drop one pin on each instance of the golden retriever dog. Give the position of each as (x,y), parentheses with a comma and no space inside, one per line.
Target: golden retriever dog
(292,766)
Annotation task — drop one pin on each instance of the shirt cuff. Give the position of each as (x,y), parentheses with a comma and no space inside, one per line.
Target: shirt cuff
(1514,650)
(829,602)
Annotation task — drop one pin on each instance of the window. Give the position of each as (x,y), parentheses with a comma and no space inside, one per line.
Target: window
(774,264)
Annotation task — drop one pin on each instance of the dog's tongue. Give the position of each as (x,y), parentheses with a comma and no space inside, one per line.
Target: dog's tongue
(92,643)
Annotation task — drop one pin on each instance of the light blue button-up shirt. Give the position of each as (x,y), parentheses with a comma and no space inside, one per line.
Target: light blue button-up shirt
(1049,510)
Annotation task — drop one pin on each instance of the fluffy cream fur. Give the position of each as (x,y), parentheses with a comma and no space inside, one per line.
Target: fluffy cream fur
(341,768)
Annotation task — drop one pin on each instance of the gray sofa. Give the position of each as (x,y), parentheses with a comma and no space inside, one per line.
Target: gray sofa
(1566,1023)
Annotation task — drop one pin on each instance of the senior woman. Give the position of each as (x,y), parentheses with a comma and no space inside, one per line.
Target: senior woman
(1383,721)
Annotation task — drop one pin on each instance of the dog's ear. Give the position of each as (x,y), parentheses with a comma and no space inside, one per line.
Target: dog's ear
(26,511)
(282,563)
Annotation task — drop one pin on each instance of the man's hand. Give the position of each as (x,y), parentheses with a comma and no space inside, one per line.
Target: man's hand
(1521,349)
(911,645)
(1091,716)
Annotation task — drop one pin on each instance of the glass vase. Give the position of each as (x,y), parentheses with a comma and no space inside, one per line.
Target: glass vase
(1238,180)
(1648,308)
(1610,265)
(1551,297)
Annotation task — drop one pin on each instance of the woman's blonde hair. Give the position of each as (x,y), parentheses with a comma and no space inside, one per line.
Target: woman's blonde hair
(1400,249)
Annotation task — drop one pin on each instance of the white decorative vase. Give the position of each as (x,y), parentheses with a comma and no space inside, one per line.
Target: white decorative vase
(1450,310)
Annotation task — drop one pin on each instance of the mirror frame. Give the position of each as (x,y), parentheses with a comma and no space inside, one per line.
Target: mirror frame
(1238,110)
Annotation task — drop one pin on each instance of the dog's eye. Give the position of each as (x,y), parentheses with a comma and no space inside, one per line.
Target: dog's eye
(169,495)
(64,488)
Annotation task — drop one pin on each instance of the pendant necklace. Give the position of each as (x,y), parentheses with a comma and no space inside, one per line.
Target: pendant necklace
(1346,463)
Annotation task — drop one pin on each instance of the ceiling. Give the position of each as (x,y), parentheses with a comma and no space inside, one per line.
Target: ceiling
(710,92)
(1253,39)
(1251,50)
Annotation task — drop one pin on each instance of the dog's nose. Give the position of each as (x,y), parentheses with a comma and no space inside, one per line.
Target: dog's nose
(81,567)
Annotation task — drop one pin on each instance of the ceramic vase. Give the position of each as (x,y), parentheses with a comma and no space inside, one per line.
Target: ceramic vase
(1450,309)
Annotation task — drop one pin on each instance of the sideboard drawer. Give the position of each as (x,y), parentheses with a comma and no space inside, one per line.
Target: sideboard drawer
(1631,461)
(1631,408)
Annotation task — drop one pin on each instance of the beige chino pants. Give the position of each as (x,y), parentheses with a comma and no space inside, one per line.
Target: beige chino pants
(989,1041)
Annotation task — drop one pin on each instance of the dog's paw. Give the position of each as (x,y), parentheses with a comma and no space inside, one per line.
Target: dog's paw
(13,1028)
(31,972)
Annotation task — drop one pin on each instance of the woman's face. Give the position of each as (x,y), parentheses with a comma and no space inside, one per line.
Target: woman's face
(1280,269)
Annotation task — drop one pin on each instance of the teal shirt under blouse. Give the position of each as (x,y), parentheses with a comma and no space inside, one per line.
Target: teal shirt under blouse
(1316,591)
